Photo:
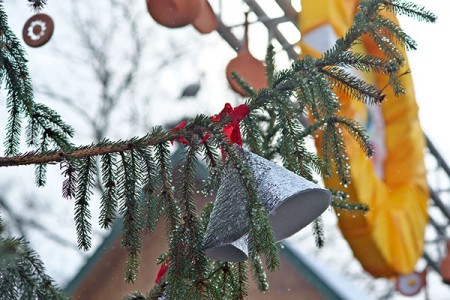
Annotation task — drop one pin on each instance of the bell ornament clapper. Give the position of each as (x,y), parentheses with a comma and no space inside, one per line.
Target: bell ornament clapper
(291,201)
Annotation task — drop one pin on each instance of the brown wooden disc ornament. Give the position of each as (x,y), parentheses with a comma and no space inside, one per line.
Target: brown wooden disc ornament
(247,67)
(38,30)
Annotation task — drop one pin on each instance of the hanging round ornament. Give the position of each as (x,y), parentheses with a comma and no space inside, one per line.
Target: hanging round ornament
(445,266)
(411,284)
(206,22)
(247,67)
(38,30)
(174,13)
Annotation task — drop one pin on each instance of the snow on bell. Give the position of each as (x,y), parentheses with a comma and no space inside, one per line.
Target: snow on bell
(291,201)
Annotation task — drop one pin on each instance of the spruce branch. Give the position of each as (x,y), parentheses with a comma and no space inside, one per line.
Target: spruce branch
(292,149)
(37,5)
(188,181)
(358,133)
(388,47)
(23,274)
(136,296)
(129,208)
(191,227)
(176,274)
(85,182)
(108,204)
(242,286)
(360,61)
(150,204)
(326,101)
(210,155)
(317,228)
(334,152)
(410,9)
(270,65)
(259,275)
(69,183)
(243,84)
(349,206)
(20,99)
(354,87)
(305,94)
(214,165)
(396,84)
(104,147)
(167,198)
(340,202)
(395,33)
(253,135)
(14,124)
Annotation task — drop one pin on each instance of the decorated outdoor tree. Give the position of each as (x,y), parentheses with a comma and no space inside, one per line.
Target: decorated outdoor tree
(140,186)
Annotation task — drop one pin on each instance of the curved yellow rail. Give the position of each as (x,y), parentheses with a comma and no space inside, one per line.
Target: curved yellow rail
(389,239)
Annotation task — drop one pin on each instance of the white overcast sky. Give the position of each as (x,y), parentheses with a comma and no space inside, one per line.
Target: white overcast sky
(430,72)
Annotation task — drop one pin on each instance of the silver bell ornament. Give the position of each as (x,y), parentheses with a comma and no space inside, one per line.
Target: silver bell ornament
(291,201)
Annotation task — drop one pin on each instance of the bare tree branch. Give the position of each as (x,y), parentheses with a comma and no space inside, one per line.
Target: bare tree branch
(20,223)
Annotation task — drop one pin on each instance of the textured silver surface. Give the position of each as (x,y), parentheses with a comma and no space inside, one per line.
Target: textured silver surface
(291,201)
(233,252)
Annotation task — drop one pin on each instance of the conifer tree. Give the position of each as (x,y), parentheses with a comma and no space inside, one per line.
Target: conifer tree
(137,173)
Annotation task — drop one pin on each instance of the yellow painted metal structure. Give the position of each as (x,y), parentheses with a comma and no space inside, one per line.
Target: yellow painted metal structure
(389,239)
